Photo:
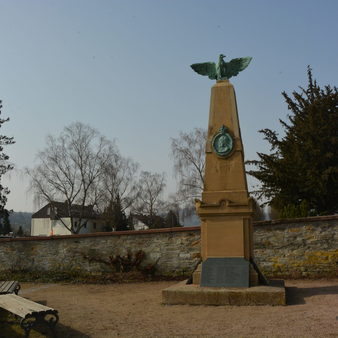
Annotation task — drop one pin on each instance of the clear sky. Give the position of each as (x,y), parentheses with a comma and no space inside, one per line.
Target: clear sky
(123,67)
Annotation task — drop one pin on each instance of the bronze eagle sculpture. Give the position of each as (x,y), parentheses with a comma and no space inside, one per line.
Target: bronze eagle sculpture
(222,70)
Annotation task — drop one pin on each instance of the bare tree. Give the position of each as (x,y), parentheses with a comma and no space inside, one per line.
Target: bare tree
(151,186)
(119,190)
(188,152)
(69,170)
(119,180)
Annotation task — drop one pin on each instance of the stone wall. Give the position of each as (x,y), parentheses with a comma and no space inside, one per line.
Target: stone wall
(289,248)
(305,247)
(176,251)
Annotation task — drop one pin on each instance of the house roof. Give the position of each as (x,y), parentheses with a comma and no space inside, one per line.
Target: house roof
(55,210)
(158,220)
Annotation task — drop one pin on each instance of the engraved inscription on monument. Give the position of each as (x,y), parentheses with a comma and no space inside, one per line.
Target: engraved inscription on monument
(225,272)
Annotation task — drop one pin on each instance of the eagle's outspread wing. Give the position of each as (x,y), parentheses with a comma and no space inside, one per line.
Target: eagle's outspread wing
(237,65)
(205,68)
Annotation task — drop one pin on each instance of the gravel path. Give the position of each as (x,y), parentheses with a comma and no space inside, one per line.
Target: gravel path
(135,310)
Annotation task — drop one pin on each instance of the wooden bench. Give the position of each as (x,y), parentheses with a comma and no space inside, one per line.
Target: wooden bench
(9,287)
(31,313)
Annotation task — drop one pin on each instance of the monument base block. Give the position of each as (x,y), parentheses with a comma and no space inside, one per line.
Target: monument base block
(191,294)
(225,272)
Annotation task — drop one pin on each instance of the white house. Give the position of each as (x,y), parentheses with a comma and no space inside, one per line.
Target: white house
(139,225)
(50,220)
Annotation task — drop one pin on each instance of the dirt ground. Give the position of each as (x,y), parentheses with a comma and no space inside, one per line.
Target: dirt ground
(135,310)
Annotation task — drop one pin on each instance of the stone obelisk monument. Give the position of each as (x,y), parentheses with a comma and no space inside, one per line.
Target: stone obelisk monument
(225,209)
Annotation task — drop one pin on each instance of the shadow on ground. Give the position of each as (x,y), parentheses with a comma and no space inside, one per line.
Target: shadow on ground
(10,328)
(67,332)
(13,330)
(296,295)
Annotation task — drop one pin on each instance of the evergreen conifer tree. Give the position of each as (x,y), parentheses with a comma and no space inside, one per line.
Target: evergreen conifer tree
(5,166)
(115,217)
(119,220)
(20,233)
(171,220)
(6,223)
(300,175)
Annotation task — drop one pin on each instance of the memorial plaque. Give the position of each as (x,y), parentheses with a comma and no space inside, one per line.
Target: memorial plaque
(225,272)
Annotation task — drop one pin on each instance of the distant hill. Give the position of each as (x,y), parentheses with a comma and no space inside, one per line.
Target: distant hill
(22,219)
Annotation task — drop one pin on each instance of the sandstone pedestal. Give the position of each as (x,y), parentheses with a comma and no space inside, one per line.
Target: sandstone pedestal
(191,294)
(228,273)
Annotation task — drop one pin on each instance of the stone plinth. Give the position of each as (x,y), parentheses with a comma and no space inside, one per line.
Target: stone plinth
(192,294)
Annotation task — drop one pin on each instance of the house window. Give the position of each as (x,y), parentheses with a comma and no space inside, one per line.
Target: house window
(94,225)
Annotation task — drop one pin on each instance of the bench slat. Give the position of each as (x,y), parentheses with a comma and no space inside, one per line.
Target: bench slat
(8,286)
(22,306)
(5,286)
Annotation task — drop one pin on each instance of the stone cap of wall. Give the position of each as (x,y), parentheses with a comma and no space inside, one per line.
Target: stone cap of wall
(297,220)
(103,234)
